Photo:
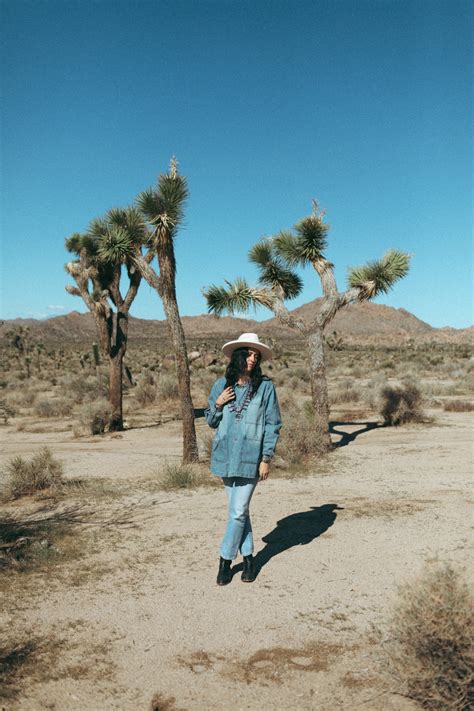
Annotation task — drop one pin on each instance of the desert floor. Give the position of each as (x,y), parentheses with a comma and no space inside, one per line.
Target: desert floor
(128,610)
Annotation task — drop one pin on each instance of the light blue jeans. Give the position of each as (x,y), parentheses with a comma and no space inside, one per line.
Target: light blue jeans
(238,533)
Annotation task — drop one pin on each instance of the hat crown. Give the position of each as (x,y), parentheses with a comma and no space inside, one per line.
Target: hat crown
(249,337)
(249,340)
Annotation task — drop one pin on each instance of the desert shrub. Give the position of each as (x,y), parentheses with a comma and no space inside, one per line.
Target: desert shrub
(299,440)
(43,471)
(145,392)
(432,633)
(95,416)
(399,405)
(180,476)
(167,388)
(53,407)
(346,392)
(204,379)
(23,397)
(458,406)
(6,411)
(83,389)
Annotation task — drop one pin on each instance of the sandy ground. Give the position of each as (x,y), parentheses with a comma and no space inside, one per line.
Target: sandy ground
(138,615)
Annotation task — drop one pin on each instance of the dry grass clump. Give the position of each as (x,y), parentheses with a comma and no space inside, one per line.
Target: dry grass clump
(41,472)
(432,652)
(167,388)
(458,406)
(346,392)
(95,416)
(23,397)
(13,659)
(402,404)
(299,440)
(145,392)
(53,407)
(182,476)
(83,389)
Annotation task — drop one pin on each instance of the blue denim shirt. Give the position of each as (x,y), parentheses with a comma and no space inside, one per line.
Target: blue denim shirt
(239,444)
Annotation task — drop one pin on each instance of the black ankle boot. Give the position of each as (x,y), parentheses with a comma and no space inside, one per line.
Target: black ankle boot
(224,576)
(249,573)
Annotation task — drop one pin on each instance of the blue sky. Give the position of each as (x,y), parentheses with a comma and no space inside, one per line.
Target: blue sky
(364,105)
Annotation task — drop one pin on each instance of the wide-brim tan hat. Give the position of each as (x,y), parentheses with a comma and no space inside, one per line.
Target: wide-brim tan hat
(247,340)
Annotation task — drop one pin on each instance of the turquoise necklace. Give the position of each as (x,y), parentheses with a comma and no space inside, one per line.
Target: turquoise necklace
(238,410)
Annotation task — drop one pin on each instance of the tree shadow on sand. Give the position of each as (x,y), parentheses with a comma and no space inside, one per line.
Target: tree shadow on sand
(297,529)
(348,437)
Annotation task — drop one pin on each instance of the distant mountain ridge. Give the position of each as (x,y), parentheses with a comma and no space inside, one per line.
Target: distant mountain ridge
(356,322)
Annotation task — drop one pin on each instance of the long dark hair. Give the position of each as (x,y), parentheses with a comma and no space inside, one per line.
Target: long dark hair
(236,367)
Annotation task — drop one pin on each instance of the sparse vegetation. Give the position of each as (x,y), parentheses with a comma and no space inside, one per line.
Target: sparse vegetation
(181,476)
(299,441)
(24,477)
(53,407)
(401,405)
(432,630)
(95,416)
(458,406)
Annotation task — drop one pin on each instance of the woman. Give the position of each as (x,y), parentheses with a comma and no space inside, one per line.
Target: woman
(243,407)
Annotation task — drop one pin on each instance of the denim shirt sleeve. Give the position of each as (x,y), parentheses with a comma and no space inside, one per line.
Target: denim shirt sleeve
(212,414)
(272,422)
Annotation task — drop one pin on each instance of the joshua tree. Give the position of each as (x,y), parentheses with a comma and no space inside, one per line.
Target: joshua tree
(163,208)
(109,244)
(20,341)
(276,257)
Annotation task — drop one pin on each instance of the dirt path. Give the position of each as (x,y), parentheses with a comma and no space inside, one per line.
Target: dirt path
(139,614)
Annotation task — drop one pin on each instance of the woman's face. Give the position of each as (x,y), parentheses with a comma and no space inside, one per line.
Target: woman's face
(251,360)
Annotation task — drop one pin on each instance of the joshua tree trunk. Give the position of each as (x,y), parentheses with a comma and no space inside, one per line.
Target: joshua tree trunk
(113,344)
(115,391)
(319,388)
(170,305)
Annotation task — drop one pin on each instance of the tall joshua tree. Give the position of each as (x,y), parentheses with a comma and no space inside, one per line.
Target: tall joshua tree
(276,258)
(163,210)
(108,246)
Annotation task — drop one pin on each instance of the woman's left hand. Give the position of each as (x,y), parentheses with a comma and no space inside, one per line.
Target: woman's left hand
(264,470)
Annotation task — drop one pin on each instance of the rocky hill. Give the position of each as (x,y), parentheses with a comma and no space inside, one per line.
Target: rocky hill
(358,322)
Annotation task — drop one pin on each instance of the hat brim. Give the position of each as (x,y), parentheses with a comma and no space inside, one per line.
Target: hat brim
(231,346)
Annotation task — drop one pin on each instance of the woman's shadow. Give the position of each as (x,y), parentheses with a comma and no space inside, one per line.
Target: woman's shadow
(298,529)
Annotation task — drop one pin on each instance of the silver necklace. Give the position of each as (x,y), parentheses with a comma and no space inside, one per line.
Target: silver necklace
(238,410)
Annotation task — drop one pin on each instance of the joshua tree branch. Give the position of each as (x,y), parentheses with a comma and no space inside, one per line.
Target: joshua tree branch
(135,279)
(325,271)
(147,272)
(114,288)
(282,313)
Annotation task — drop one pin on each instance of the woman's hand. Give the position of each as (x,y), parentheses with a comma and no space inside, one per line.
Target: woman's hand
(226,396)
(264,470)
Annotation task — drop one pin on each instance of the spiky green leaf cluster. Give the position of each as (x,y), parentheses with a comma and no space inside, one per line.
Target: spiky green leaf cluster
(306,245)
(379,276)
(115,246)
(83,244)
(163,207)
(238,297)
(273,272)
(73,243)
(149,202)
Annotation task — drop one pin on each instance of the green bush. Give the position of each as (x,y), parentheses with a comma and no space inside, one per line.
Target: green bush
(432,648)
(41,472)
